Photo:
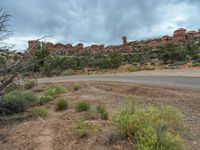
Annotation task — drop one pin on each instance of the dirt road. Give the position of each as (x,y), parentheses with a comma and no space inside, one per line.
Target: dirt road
(158,80)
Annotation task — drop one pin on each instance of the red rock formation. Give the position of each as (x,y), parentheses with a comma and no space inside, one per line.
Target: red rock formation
(68,46)
(33,45)
(50,47)
(179,35)
(124,40)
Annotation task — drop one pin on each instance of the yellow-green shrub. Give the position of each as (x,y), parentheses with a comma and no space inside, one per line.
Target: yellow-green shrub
(150,127)
(54,91)
(42,112)
(61,105)
(82,106)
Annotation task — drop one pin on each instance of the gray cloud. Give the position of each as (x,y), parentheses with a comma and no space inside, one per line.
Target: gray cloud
(100,21)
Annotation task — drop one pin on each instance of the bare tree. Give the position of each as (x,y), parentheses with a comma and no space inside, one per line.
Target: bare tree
(5,27)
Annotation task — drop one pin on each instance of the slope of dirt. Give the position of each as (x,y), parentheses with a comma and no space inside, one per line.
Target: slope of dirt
(57,131)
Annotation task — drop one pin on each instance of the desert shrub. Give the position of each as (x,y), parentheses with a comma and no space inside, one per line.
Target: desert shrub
(81,128)
(42,112)
(29,84)
(150,138)
(196,64)
(54,91)
(133,69)
(150,127)
(54,65)
(44,99)
(82,106)
(104,115)
(115,59)
(102,110)
(137,58)
(171,53)
(61,105)
(17,101)
(11,87)
(77,87)
(108,61)
(39,56)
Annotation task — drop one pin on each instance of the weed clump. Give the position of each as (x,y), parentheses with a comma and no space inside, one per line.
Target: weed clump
(102,110)
(81,128)
(149,127)
(196,64)
(54,91)
(41,112)
(82,106)
(61,105)
(104,115)
(44,99)
(77,87)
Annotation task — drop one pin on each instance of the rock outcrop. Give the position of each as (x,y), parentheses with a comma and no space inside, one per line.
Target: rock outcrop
(181,35)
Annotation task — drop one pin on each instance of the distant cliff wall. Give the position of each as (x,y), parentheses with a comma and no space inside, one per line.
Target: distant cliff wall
(180,35)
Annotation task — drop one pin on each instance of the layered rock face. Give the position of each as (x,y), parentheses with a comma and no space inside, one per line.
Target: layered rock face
(181,35)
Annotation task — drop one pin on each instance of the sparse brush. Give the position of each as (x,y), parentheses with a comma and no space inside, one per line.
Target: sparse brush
(196,64)
(42,112)
(150,127)
(61,105)
(54,91)
(77,87)
(82,106)
(102,110)
(81,128)
(104,115)
(44,99)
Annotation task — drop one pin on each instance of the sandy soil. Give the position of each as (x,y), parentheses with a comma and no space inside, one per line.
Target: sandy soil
(56,131)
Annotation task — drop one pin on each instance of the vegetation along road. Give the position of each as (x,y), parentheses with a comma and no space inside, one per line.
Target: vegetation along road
(166,81)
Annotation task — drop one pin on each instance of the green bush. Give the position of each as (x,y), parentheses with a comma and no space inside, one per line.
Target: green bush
(171,53)
(150,138)
(82,106)
(44,99)
(196,64)
(150,127)
(54,91)
(61,105)
(29,84)
(17,101)
(11,87)
(42,112)
(77,87)
(102,110)
(104,115)
(82,128)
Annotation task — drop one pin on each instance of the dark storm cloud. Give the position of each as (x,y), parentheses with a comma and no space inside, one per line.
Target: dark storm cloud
(100,21)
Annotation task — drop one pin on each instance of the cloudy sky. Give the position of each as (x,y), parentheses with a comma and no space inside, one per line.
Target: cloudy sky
(98,21)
